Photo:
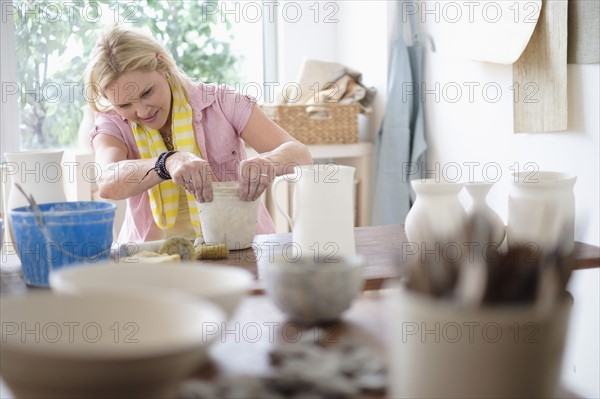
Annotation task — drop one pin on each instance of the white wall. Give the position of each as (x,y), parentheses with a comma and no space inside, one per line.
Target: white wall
(362,43)
(478,131)
(353,33)
(461,130)
(306,33)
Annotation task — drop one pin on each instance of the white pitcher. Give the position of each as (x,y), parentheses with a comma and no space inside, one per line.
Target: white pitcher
(323,213)
(39,173)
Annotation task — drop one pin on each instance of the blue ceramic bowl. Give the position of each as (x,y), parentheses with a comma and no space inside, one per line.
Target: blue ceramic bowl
(66,233)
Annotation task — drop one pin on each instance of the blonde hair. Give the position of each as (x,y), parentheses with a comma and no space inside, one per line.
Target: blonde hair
(120,50)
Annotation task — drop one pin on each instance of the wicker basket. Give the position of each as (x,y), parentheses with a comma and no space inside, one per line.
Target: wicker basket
(317,124)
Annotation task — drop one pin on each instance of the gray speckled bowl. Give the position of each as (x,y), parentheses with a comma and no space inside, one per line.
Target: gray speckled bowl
(314,292)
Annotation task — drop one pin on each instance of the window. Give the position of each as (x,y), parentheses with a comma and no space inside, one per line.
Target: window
(211,41)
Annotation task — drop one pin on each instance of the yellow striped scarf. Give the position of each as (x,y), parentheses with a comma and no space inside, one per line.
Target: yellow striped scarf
(164,197)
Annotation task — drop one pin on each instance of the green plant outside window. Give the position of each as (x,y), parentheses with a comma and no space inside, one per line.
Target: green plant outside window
(53,40)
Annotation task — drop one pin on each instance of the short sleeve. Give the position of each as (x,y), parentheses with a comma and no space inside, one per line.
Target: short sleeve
(236,107)
(106,124)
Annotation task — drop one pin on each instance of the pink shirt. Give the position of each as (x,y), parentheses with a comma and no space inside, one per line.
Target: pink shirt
(219,115)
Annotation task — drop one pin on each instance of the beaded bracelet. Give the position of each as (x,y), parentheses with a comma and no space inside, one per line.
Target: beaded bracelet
(161,166)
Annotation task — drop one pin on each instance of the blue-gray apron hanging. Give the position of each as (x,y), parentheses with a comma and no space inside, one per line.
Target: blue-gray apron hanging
(400,146)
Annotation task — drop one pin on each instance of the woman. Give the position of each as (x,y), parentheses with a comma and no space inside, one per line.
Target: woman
(162,140)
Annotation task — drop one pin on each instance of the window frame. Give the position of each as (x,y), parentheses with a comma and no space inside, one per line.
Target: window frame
(9,106)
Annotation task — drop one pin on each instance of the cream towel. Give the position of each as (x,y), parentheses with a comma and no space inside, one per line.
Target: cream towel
(329,82)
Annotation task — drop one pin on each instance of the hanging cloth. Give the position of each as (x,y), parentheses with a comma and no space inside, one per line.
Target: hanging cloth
(164,197)
(400,146)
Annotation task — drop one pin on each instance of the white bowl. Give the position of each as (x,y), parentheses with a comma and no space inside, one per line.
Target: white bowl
(93,345)
(310,292)
(223,285)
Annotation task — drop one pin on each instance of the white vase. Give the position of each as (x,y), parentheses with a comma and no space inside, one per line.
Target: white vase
(39,173)
(480,209)
(541,211)
(437,216)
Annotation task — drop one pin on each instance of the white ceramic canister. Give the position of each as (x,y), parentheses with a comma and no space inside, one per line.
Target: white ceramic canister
(437,216)
(227,219)
(541,210)
(438,349)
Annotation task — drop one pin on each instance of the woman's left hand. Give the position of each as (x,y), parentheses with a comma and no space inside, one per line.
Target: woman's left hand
(255,176)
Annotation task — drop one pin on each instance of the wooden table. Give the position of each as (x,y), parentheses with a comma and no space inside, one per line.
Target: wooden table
(385,248)
(235,353)
(366,320)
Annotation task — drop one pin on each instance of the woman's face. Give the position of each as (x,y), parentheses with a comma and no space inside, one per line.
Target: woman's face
(141,97)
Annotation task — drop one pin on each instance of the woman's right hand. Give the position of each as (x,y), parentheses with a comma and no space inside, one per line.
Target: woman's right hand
(192,173)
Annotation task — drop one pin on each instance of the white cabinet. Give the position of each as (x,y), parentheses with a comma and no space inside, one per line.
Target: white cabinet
(358,155)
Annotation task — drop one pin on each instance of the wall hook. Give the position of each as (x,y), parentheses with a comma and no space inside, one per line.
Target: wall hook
(419,37)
